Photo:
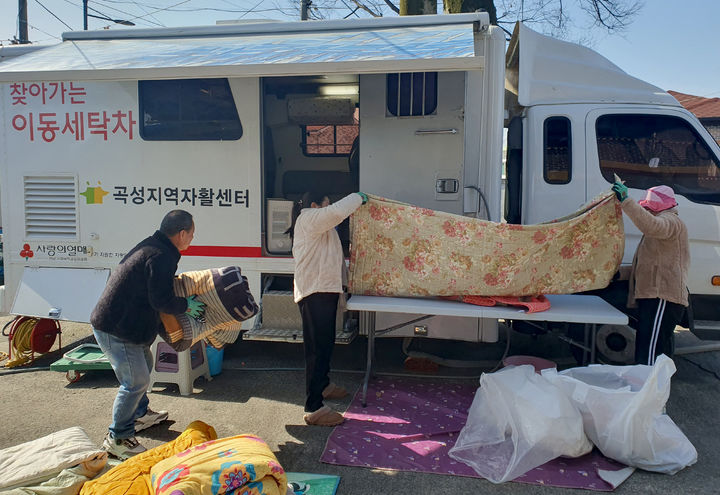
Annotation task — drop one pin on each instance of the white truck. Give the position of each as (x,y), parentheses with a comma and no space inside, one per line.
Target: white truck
(105,132)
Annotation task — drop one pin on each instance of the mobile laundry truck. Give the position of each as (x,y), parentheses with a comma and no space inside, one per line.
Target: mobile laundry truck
(105,132)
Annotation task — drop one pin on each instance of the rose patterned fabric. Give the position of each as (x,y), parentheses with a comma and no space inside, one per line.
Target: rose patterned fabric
(404,250)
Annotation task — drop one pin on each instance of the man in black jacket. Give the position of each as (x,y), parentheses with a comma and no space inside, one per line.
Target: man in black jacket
(126,320)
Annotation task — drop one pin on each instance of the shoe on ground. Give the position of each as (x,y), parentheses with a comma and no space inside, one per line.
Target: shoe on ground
(151,418)
(333,391)
(122,448)
(324,417)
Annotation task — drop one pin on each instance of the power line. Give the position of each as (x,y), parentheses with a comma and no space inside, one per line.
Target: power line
(52,14)
(44,32)
(142,8)
(129,14)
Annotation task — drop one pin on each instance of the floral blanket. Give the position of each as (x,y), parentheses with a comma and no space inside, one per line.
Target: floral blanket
(403,250)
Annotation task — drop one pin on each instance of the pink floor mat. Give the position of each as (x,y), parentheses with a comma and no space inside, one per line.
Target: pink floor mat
(410,425)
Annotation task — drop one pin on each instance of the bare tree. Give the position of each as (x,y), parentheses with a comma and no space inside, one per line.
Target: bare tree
(555,17)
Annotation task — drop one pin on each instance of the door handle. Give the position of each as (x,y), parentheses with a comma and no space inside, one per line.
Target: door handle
(424,132)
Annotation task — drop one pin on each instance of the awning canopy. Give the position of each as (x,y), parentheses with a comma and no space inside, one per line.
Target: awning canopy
(279,50)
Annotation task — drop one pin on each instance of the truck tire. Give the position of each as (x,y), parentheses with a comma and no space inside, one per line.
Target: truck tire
(614,344)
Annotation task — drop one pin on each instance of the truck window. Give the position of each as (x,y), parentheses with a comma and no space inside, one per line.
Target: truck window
(330,139)
(188,110)
(557,150)
(652,150)
(411,94)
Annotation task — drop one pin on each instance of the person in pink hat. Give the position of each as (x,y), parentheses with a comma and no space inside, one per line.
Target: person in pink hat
(658,276)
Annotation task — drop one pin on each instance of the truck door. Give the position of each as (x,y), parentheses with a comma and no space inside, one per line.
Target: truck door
(411,138)
(554,164)
(651,147)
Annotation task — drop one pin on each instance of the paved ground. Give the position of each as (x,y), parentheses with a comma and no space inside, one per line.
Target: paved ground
(260,391)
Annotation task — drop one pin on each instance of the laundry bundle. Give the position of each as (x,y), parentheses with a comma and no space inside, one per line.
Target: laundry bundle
(229,302)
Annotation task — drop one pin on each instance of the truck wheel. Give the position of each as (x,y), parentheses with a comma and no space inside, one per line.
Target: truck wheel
(614,344)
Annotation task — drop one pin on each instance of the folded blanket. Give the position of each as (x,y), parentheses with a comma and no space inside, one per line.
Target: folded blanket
(39,460)
(132,477)
(242,464)
(403,250)
(226,293)
(68,482)
(532,304)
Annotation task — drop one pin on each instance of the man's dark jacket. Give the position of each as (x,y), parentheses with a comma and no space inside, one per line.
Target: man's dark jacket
(138,289)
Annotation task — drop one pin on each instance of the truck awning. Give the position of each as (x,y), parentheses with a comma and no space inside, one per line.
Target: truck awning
(272,49)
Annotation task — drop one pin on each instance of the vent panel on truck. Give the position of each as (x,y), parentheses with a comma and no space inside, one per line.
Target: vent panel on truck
(50,207)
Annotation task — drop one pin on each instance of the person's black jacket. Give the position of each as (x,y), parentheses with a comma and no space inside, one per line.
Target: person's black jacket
(138,290)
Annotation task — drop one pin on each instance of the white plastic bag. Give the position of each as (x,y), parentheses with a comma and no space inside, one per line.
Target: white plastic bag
(518,421)
(622,409)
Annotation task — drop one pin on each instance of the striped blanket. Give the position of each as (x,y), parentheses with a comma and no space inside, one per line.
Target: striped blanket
(228,300)
(403,250)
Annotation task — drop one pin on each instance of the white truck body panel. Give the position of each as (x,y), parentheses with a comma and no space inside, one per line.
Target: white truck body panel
(121,184)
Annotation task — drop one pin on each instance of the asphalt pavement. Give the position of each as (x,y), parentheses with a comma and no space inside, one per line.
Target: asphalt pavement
(261,391)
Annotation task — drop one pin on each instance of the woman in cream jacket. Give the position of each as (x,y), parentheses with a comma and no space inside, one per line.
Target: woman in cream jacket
(319,265)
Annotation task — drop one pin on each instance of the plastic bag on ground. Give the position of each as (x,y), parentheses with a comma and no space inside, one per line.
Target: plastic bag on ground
(622,410)
(518,421)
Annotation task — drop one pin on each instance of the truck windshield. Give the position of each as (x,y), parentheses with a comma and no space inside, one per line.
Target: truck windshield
(651,150)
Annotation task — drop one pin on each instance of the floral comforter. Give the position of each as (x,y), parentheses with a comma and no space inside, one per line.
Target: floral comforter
(403,250)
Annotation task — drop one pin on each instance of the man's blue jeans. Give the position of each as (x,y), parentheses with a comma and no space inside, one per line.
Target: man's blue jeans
(132,364)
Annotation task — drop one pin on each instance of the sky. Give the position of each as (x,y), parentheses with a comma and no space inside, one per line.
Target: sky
(670,47)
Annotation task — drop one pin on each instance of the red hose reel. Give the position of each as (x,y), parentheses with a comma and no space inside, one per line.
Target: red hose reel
(31,335)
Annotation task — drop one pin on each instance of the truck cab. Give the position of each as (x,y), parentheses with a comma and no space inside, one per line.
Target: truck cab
(576,120)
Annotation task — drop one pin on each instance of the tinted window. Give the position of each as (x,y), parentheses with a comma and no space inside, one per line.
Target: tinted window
(652,150)
(557,156)
(411,94)
(188,110)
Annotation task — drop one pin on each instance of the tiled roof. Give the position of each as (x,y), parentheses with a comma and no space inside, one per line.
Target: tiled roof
(703,108)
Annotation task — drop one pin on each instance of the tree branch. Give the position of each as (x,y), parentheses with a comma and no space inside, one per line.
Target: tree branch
(367,9)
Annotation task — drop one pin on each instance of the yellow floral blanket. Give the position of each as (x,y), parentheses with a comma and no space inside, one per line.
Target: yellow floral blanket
(403,250)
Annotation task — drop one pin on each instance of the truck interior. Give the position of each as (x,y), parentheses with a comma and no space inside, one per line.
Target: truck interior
(311,143)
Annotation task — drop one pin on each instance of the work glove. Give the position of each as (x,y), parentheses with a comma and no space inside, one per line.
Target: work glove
(364,197)
(195,308)
(621,191)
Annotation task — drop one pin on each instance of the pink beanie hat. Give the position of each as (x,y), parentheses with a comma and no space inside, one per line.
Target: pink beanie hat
(659,198)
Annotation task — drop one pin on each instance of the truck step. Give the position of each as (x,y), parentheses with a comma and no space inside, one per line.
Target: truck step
(291,335)
(707,329)
(279,321)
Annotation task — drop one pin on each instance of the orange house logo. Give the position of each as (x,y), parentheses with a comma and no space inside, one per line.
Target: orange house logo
(94,195)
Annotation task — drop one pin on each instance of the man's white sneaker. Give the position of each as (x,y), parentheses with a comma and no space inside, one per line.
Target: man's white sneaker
(123,448)
(151,418)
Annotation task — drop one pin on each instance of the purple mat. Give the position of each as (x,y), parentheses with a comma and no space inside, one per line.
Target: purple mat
(410,425)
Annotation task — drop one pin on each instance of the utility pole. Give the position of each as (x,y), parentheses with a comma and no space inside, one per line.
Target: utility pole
(304,4)
(85,14)
(23,25)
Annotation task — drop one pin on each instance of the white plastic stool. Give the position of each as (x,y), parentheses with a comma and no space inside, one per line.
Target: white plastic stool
(183,373)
